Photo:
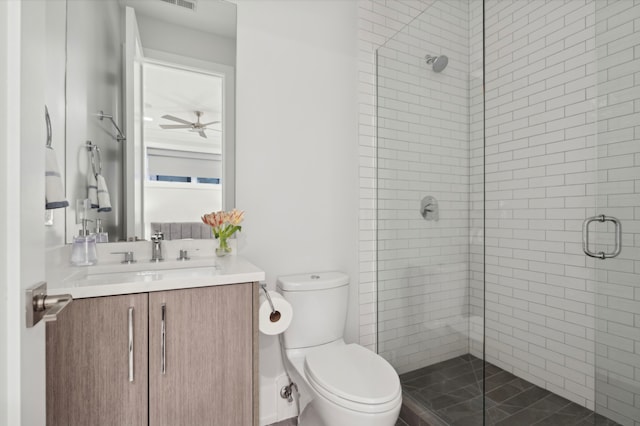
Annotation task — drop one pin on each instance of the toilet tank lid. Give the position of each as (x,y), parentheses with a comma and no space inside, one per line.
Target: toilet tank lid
(312,281)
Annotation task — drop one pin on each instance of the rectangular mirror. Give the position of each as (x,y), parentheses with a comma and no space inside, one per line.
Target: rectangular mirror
(165,73)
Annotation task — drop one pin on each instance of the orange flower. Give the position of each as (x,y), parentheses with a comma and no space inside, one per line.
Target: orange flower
(224,224)
(236,217)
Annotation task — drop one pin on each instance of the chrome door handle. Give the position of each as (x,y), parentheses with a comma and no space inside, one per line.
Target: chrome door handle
(131,344)
(43,306)
(618,236)
(163,343)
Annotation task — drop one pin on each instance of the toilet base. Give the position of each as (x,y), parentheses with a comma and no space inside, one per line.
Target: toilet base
(310,417)
(333,415)
(316,410)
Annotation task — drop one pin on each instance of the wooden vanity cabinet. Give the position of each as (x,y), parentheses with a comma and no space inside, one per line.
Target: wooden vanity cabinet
(195,359)
(208,357)
(88,363)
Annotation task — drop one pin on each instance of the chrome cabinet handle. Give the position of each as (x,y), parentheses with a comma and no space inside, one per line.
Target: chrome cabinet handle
(163,343)
(618,236)
(131,344)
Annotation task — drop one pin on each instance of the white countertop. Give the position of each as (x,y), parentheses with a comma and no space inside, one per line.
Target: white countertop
(83,282)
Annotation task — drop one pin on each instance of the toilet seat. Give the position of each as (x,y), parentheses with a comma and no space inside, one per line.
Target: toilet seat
(354,378)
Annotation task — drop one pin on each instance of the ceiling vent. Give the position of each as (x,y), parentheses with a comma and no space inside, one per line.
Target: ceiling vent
(187,4)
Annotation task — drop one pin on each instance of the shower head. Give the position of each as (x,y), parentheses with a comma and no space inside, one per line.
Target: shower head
(437,62)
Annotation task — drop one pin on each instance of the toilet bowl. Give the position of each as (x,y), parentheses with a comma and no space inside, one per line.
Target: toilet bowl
(339,383)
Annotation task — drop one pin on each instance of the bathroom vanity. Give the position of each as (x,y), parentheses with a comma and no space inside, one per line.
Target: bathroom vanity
(156,346)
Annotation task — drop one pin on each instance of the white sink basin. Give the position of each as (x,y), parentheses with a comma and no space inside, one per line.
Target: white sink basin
(106,280)
(150,275)
(149,267)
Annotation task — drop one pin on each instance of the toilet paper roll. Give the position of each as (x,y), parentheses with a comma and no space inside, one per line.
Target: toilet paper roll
(271,323)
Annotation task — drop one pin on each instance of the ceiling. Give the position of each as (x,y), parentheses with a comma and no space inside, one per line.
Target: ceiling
(211,16)
(179,92)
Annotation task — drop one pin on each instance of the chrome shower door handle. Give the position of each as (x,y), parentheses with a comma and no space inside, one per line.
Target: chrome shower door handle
(131,344)
(618,237)
(163,343)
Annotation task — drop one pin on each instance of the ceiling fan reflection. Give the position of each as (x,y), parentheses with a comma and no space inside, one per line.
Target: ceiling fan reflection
(195,126)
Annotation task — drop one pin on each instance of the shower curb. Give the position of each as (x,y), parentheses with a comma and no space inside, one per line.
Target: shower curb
(415,415)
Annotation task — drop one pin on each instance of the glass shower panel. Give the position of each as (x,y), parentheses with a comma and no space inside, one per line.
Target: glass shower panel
(502,126)
(429,156)
(616,280)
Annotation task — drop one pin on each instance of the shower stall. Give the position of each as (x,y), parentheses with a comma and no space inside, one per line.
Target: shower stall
(508,212)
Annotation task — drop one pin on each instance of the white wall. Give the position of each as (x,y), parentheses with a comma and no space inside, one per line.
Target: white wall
(22,60)
(94,81)
(179,40)
(423,150)
(4,207)
(297,158)
(29,244)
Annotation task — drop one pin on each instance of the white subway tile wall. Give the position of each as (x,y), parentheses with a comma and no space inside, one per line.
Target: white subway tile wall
(562,125)
(617,190)
(540,64)
(476,180)
(378,21)
(561,145)
(423,150)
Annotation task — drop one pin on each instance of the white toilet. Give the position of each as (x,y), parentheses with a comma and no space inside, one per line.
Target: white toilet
(340,384)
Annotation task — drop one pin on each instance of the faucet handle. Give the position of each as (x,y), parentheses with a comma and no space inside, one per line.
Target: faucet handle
(157,236)
(128,256)
(184,255)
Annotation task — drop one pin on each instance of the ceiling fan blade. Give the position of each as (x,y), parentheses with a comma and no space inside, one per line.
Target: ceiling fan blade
(206,124)
(203,134)
(174,118)
(175,126)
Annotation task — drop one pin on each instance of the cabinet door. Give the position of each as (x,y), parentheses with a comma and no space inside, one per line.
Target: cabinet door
(90,380)
(203,372)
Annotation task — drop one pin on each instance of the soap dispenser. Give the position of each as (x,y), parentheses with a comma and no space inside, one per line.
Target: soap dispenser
(101,235)
(83,250)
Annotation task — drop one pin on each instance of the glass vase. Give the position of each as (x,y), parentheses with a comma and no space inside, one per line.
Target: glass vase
(223,248)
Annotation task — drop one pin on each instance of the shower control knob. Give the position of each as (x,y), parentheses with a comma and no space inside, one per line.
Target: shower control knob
(429,208)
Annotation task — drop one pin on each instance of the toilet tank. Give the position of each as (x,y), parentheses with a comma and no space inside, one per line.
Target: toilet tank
(319,302)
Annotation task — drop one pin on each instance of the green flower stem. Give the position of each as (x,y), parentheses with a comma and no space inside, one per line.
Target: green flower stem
(223,233)
(224,245)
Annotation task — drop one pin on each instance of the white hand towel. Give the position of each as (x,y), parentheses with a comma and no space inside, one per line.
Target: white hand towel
(54,191)
(104,201)
(92,190)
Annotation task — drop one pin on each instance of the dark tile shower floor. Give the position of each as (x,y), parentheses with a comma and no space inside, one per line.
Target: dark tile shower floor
(450,394)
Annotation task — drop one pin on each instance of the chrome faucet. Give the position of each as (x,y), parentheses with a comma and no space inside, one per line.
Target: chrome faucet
(156,248)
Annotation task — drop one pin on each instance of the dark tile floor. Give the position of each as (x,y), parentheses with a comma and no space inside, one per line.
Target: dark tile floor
(450,394)
(294,422)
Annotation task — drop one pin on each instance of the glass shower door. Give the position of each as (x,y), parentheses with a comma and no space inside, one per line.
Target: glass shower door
(616,282)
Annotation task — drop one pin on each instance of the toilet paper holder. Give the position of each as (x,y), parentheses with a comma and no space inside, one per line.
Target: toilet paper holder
(275,315)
